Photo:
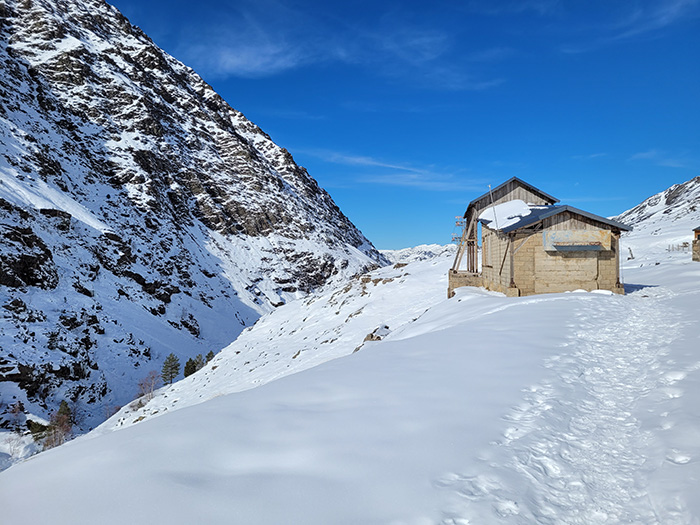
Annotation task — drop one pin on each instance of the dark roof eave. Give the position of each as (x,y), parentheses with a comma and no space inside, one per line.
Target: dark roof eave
(561,209)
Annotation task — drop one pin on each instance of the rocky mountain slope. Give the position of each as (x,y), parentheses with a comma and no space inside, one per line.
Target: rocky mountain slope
(664,221)
(679,202)
(139,213)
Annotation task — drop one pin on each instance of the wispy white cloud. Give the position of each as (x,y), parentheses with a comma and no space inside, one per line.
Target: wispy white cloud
(666,159)
(387,173)
(647,18)
(512,7)
(425,181)
(251,40)
(269,37)
(656,15)
(645,155)
(249,60)
(590,156)
(493,54)
(359,160)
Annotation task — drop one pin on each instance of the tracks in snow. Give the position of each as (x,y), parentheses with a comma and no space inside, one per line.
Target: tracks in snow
(574,451)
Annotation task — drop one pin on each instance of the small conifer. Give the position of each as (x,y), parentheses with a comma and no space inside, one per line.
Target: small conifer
(190,367)
(171,368)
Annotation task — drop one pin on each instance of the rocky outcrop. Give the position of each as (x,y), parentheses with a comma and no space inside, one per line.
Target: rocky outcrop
(140,214)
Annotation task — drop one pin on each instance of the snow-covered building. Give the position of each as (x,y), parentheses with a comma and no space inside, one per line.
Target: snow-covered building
(531,245)
(696,244)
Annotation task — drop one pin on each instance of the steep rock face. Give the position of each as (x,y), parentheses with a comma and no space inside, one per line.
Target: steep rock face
(139,213)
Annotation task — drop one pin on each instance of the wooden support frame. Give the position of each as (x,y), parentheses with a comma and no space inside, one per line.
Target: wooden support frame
(468,242)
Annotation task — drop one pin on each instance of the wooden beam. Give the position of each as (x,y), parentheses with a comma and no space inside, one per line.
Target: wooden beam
(512,261)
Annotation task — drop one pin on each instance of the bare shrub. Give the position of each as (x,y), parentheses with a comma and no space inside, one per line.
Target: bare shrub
(148,385)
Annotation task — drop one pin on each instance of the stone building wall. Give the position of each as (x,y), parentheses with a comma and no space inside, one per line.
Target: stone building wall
(537,271)
(495,260)
(459,279)
(696,250)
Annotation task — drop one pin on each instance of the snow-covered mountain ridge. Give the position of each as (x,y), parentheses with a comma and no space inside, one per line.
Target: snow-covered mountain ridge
(139,213)
(422,252)
(662,223)
(680,202)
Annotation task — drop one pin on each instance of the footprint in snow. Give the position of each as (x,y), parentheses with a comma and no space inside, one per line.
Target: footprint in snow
(677,457)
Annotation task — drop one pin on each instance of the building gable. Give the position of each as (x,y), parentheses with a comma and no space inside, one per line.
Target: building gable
(512,189)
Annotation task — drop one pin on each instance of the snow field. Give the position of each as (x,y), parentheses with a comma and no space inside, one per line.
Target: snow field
(578,450)
(576,408)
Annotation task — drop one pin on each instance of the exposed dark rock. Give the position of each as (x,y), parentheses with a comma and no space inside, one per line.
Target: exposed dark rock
(26,260)
(180,208)
(62,218)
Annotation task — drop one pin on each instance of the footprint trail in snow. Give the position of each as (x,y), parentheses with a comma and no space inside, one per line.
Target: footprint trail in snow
(574,451)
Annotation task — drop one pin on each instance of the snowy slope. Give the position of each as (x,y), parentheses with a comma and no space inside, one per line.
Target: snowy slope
(139,213)
(560,408)
(306,333)
(664,220)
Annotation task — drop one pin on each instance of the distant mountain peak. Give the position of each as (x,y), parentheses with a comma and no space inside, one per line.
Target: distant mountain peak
(680,202)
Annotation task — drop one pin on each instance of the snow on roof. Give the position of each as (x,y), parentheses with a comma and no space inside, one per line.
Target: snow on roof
(505,214)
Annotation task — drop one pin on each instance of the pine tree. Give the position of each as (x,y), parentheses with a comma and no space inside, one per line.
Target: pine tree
(210,355)
(171,368)
(199,362)
(64,412)
(190,367)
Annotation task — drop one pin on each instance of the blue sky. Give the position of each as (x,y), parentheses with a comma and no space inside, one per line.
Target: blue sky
(405,111)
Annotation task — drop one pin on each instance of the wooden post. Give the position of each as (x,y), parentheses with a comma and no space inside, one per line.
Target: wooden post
(512,261)
(465,243)
(616,246)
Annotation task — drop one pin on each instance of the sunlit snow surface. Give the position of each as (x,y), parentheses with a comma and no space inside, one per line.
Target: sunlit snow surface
(563,408)
(505,214)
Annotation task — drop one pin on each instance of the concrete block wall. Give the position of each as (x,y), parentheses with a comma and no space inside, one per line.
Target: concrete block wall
(459,279)
(495,270)
(538,271)
(526,246)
